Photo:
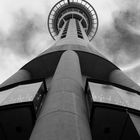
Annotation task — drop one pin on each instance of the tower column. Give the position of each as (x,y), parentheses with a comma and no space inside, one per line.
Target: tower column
(64,114)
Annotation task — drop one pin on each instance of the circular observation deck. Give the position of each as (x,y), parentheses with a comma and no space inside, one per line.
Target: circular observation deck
(80,10)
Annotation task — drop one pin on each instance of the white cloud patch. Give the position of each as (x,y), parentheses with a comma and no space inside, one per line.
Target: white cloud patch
(9,64)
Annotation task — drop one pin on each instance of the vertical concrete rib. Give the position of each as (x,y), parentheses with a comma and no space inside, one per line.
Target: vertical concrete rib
(64,114)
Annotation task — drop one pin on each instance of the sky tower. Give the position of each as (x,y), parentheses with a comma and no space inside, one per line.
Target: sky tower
(70,91)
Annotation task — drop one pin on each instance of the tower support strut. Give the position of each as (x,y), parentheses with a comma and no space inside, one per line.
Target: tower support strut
(64,114)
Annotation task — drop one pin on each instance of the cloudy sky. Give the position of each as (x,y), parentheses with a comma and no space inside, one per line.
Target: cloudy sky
(24,33)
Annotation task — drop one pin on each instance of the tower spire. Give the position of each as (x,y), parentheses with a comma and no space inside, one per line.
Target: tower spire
(80,10)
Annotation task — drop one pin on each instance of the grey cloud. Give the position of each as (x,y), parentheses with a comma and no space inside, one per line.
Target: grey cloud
(126,38)
(19,38)
(121,40)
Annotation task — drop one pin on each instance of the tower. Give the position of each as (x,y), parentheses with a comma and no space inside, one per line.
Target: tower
(70,91)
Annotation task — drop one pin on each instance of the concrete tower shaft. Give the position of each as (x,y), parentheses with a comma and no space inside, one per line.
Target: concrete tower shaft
(64,114)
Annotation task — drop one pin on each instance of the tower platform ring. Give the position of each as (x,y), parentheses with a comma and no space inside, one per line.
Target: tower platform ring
(73,14)
(67,6)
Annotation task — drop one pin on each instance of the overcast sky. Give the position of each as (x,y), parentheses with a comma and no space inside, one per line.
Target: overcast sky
(24,33)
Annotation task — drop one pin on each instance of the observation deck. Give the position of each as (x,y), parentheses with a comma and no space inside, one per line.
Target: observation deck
(80,10)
